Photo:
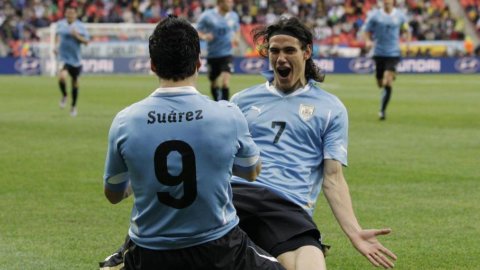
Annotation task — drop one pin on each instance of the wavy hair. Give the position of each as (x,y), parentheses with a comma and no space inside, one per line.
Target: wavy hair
(292,26)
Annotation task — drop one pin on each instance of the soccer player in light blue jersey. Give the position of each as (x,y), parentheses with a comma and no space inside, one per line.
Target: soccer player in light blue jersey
(382,30)
(219,26)
(301,131)
(71,34)
(176,151)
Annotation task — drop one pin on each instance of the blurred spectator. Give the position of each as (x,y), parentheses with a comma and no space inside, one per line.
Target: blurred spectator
(469,46)
(336,23)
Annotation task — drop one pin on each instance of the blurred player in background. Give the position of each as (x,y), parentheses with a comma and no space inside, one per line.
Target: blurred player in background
(162,149)
(220,26)
(71,34)
(382,31)
(302,133)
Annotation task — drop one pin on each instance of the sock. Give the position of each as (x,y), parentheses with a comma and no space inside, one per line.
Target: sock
(74,96)
(387,92)
(63,87)
(215,93)
(225,93)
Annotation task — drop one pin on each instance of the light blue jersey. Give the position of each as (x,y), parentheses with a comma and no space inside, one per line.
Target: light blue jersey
(69,48)
(222,27)
(177,148)
(386,31)
(295,133)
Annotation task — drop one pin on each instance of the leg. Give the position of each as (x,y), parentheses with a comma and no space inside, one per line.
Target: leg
(380,64)
(74,73)
(303,258)
(236,251)
(384,98)
(73,110)
(215,90)
(225,77)
(213,74)
(387,90)
(74,91)
(280,227)
(62,74)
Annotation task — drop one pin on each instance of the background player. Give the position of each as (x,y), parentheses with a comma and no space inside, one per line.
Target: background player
(220,27)
(71,33)
(383,27)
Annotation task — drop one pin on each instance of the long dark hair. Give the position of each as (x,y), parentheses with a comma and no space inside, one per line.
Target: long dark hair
(294,28)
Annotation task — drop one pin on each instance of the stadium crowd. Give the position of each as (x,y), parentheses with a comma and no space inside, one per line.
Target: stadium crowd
(336,23)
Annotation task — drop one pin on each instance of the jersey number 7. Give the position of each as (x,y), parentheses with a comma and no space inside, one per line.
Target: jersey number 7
(282,125)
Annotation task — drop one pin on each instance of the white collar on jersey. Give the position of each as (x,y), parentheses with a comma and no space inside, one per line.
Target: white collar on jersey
(394,10)
(275,91)
(176,90)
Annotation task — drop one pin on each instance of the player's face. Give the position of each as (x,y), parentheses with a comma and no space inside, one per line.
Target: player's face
(70,14)
(225,5)
(288,62)
(389,4)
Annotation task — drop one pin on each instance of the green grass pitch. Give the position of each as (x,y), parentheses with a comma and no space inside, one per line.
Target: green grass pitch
(418,172)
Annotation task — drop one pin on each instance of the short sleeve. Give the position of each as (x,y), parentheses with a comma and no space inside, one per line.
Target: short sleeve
(116,172)
(248,154)
(335,137)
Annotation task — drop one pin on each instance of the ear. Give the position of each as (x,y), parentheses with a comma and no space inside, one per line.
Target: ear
(308,52)
(199,63)
(152,67)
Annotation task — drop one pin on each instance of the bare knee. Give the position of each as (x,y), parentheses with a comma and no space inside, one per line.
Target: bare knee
(388,78)
(62,75)
(303,258)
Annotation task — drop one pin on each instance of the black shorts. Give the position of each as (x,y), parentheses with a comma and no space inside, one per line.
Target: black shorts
(234,251)
(383,63)
(219,65)
(73,71)
(274,223)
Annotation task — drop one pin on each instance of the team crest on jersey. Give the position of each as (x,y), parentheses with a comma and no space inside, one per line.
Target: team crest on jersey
(306,111)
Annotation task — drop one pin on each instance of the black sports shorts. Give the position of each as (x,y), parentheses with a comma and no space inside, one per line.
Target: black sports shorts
(234,251)
(383,63)
(219,65)
(274,223)
(72,70)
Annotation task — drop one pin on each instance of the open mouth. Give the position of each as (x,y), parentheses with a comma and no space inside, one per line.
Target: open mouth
(284,71)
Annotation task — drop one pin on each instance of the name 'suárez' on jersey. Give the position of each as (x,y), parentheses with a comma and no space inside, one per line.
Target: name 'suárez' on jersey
(173,116)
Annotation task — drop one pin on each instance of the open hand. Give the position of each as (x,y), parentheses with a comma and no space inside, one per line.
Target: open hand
(366,243)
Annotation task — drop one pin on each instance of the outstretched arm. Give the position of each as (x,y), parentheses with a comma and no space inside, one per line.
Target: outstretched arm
(337,194)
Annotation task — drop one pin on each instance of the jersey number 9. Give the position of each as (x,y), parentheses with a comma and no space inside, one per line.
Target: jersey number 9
(188,175)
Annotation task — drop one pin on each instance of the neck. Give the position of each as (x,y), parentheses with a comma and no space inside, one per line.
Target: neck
(298,85)
(221,11)
(190,81)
